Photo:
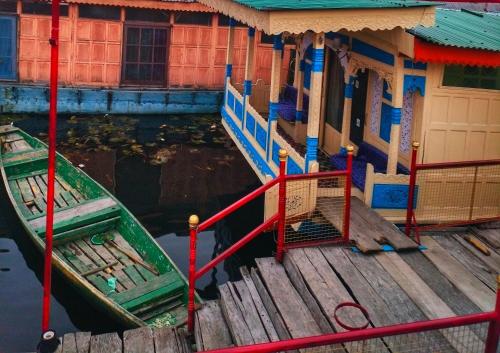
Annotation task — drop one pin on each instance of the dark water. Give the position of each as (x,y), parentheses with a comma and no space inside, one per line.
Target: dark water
(163,168)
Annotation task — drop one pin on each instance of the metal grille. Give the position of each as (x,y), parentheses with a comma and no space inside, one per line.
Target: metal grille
(314,210)
(457,195)
(461,339)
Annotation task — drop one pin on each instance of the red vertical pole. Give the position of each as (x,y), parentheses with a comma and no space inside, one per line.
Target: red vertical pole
(347,193)
(411,187)
(193,234)
(281,206)
(493,338)
(54,63)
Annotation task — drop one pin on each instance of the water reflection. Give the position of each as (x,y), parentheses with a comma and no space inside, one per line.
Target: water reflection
(163,168)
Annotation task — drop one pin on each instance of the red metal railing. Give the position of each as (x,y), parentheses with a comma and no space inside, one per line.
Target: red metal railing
(279,218)
(452,193)
(344,338)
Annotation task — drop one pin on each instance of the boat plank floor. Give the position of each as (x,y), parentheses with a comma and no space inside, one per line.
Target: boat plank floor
(490,235)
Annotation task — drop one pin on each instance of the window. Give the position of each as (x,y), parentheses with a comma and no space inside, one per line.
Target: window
(224,22)
(42,8)
(8,6)
(147,15)
(145,57)
(193,18)
(269,39)
(472,76)
(99,12)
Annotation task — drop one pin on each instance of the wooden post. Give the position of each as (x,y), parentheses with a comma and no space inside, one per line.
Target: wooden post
(315,92)
(229,56)
(281,206)
(193,233)
(397,96)
(275,90)
(249,69)
(299,82)
(346,117)
(411,187)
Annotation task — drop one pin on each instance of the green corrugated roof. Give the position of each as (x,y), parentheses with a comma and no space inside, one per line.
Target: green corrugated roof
(464,29)
(270,5)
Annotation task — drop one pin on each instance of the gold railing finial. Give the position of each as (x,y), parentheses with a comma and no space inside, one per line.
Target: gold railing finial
(283,154)
(350,148)
(193,221)
(415,145)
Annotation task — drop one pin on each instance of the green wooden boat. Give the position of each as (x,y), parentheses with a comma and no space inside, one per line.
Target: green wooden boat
(99,246)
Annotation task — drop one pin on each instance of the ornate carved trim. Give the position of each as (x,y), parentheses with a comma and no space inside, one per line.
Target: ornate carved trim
(359,62)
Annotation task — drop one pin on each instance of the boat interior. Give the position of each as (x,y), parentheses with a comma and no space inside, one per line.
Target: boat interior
(93,234)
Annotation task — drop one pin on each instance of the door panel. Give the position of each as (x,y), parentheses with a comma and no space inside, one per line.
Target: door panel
(358,113)
(8,48)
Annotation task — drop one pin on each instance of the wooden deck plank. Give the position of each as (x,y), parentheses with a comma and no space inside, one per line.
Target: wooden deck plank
(43,185)
(239,326)
(358,231)
(268,303)
(293,310)
(382,230)
(82,342)
(139,340)
(457,274)
(106,343)
(69,343)
(428,301)
(492,261)
(168,340)
(473,263)
(364,294)
(490,235)
(211,331)
(76,194)
(259,306)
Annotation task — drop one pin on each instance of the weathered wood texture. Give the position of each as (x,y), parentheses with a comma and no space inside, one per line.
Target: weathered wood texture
(490,235)
(106,343)
(211,331)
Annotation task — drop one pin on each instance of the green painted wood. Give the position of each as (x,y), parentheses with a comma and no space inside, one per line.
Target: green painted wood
(134,274)
(276,5)
(145,273)
(26,157)
(94,228)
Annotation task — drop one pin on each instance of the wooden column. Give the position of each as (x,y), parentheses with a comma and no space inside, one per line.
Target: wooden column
(346,116)
(249,71)
(229,52)
(397,99)
(315,91)
(299,82)
(275,89)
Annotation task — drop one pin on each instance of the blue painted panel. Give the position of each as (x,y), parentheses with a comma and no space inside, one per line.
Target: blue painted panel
(385,92)
(409,64)
(273,111)
(261,136)
(318,60)
(386,122)
(392,196)
(238,109)
(258,161)
(276,154)
(292,167)
(230,100)
(8,47)
(414,83)
(250,124)
(349,87)
(370,51)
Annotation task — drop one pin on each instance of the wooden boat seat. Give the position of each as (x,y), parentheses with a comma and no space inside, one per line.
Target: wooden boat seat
(166,285)
(28,156)
(85,213)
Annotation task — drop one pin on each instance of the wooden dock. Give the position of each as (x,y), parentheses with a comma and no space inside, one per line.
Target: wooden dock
(295,299)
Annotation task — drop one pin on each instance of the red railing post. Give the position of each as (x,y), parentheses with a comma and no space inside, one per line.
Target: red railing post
(193,234)
(411,187)
(493,338)
(281,206)
(347,193)
(54,65)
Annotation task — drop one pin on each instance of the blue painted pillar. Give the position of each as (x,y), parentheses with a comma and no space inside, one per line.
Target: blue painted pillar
(229,56)
(346,117)
(249,69)
(315,92)
(299,115)
(275,90)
